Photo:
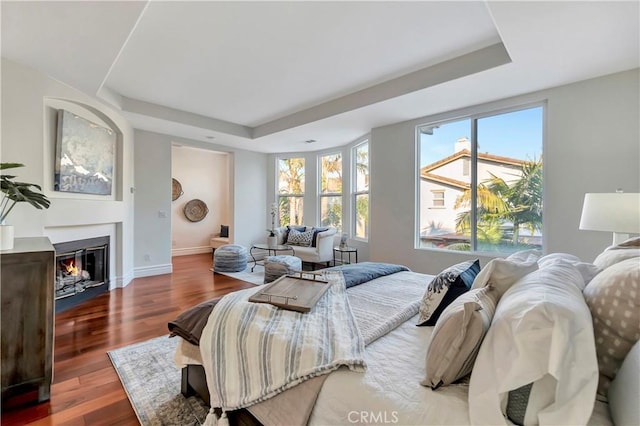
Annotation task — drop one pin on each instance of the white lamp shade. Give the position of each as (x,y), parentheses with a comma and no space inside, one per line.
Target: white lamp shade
(613,212)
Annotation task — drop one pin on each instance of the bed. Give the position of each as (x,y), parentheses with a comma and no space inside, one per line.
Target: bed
(390,390)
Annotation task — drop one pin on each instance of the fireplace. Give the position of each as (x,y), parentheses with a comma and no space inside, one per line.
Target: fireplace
(82,271)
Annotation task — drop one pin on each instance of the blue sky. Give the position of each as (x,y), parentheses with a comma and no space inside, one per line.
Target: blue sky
(516,134)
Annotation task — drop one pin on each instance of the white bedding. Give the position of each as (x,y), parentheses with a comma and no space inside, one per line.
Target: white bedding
(390,386)
(390,391)
(391,383)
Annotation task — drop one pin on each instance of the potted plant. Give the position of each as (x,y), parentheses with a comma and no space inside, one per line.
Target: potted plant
(13,193)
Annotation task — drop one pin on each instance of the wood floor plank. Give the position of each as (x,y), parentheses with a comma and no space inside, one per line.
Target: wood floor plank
(86,389)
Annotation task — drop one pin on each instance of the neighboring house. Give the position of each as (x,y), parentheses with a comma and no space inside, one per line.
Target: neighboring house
(442,182)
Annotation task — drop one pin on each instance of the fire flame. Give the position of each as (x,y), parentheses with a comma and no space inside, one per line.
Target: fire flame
(72,269)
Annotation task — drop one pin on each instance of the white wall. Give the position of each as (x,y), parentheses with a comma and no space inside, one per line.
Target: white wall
(29,103)
(592,145)
(153,166)
(249,198)
(203,175)
(152,211)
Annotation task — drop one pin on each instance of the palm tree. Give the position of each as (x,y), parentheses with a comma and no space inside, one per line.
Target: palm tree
(362,165)
(362,189)
(499,202)
(491,205)
(525,197)
(331,173)
(291,183)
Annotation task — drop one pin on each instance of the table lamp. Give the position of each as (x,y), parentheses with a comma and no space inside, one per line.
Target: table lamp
(616,212)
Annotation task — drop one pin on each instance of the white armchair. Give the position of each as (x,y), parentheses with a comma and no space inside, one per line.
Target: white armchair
(321,253)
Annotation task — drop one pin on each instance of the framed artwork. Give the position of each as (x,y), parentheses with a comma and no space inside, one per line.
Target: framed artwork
(85,155)
(343,240)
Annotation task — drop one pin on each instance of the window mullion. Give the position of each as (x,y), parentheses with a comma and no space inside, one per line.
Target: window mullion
(474,184)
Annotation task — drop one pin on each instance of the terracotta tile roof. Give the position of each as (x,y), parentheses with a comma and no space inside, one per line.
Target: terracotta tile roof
(465,153)
(445,180)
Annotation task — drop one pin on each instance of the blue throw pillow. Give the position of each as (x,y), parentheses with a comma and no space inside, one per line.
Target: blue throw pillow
(316,231)
(445,288)
(224,231)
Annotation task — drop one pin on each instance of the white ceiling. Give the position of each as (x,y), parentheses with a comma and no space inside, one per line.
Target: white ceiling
(266,76)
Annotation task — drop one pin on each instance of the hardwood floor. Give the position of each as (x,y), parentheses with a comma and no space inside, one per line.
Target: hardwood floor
(86,389)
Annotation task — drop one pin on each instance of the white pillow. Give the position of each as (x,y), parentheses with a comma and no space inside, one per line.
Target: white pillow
(503,273)
(525,256)
(457,336)
(614,255)
(541,337)
(571,258)
(587,270)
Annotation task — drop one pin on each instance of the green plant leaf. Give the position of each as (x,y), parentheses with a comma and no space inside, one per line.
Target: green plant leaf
(4,166)
(19,192)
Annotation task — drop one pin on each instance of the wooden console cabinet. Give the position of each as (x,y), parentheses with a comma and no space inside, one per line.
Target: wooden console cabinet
(27,314)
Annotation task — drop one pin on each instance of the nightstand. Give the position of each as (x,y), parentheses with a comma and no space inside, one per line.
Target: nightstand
(339,253)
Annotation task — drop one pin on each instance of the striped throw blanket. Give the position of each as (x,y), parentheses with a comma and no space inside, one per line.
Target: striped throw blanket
(258,350)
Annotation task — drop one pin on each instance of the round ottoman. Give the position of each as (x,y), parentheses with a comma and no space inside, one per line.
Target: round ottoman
(277,266)
(230,258)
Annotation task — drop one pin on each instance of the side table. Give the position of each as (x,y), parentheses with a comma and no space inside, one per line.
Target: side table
(339,254)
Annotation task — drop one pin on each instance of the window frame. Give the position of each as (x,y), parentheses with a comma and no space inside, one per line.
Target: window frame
(354,189)
(473,117)
(280,195)
(322,195)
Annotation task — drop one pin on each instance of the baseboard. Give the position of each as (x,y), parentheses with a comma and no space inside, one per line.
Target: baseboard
(120,282)
(149,271)
(190,250)
(127,278)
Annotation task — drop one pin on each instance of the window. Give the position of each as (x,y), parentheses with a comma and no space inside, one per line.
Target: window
(331,190)
(360,195)
(495,202)
(438,198)
(291,191)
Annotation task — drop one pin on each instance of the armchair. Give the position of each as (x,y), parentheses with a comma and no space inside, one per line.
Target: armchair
(322,252)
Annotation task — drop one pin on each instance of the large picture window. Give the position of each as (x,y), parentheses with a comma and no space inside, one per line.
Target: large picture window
(291,191)
(331,190)
(481,182)
(360,194)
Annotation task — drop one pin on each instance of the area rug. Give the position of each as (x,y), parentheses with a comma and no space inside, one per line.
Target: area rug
(256,277)
(152,382)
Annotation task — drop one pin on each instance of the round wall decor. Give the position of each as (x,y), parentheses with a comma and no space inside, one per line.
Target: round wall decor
(176,189)
(195,210)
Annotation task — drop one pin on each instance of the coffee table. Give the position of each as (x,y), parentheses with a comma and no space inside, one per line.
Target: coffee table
(271,251)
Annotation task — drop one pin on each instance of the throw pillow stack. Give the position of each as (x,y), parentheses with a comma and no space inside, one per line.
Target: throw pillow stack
(461,318)
(297,238)
(539,336)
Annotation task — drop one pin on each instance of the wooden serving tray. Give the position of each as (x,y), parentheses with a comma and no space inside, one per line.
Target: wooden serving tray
(295,293)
